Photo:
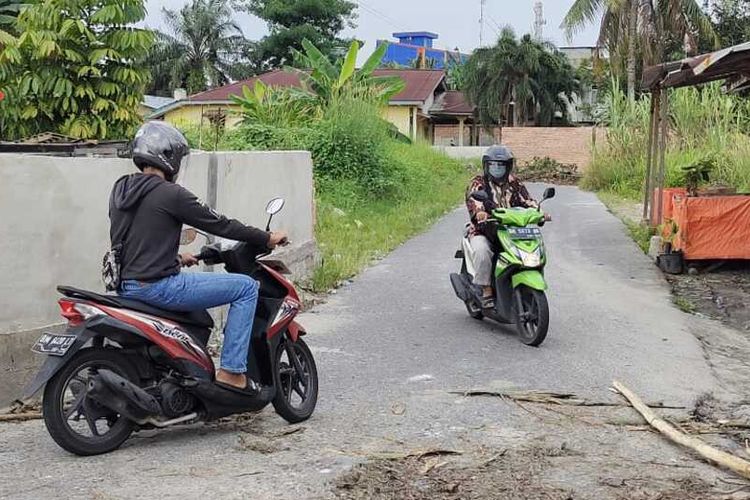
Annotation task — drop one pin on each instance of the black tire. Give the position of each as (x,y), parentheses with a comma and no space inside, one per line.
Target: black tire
(53,404)
(474,310)
(533,320)
(289,382)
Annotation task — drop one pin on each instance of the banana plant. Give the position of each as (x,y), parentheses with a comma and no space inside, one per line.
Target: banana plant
(279,106)
(332,81)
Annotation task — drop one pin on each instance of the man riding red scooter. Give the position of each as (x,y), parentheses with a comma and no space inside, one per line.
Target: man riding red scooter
(139,358)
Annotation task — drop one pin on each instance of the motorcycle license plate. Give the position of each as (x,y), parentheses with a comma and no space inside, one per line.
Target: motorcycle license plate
(524,233)
(54,344)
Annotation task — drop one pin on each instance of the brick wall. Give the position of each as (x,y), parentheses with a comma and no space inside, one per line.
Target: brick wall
(564,144)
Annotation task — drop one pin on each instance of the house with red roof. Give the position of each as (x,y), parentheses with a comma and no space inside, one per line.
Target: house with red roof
(424,110)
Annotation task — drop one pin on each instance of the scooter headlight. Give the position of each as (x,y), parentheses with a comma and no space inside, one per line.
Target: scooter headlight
(530,259)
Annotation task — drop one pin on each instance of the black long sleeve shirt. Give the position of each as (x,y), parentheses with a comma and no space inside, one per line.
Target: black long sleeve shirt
(158,210)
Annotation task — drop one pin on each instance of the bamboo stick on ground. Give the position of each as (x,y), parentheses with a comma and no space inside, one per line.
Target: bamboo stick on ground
(724,459)
(20,417)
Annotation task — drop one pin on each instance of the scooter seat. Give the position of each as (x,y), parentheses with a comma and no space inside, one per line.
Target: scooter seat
(193,318)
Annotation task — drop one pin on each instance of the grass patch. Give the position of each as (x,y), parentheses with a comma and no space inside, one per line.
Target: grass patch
(640,233)
(628,212)
(684,304)
(352,230)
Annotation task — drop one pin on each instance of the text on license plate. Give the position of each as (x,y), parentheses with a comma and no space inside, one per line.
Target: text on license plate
(53,344)
(524,233)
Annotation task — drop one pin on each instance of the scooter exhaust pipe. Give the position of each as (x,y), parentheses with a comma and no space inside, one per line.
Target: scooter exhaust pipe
(122,396)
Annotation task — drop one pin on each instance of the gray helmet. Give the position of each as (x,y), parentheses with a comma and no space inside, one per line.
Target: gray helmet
(497,163)
(160,145)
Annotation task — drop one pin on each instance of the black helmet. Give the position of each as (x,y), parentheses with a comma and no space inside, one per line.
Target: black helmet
(497,163)
(160,145)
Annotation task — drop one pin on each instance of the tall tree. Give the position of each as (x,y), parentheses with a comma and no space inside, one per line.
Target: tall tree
(74,69)
(732,21)
(292,21)
(528,76)
(638,32)
(200,50)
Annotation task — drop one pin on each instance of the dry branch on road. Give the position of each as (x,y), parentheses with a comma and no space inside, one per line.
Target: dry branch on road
(553,398)
(713,455)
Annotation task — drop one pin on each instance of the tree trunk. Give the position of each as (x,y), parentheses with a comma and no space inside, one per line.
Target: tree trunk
(632,37)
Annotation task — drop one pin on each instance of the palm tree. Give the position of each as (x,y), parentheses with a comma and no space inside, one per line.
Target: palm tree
(528,76)
(641,31)
(200,49)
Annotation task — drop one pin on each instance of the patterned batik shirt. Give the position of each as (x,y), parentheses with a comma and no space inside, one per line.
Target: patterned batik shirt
(511,194)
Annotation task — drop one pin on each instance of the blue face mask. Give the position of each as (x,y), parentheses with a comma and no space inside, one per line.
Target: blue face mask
(498,170)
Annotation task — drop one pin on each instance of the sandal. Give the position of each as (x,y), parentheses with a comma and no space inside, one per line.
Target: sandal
(252,388)
(488,302)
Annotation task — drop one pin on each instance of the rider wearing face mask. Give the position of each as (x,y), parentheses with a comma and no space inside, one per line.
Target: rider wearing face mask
(504,191)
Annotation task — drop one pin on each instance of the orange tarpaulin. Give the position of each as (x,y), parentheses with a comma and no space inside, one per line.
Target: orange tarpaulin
(667,203)
(712,227)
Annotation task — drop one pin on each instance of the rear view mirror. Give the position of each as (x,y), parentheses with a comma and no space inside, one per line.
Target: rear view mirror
(274,206)
(187,236)
(481,196)
(548,193)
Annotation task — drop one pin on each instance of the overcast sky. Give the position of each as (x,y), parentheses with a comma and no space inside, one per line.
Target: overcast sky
(456,21)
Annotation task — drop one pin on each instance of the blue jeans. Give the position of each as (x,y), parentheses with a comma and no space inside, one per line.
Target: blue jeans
(198,291)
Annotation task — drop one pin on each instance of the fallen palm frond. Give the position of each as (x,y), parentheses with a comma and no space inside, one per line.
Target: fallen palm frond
(713,455)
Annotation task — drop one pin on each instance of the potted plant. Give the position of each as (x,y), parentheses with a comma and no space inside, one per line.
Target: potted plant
(697,174)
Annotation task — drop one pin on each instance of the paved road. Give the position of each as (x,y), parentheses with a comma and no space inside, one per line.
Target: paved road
(390,347)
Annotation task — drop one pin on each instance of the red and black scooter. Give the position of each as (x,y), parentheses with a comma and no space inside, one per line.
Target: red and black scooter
(122,365)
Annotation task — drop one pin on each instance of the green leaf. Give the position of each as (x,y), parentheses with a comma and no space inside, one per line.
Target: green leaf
(350,62)
(372,62)
(72,55)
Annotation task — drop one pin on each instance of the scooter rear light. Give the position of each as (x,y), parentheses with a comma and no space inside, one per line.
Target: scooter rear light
(68,311)
(77,312)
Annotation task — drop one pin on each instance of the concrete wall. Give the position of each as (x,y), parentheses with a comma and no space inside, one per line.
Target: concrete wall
(55,229)
(564,144)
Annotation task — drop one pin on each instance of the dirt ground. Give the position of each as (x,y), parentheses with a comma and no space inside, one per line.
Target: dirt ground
(572,447)
(720,294)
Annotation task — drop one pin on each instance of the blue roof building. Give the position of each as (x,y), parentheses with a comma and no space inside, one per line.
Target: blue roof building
(415,49)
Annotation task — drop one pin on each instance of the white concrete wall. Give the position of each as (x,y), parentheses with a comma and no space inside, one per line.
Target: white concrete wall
(463,152)
(54,229)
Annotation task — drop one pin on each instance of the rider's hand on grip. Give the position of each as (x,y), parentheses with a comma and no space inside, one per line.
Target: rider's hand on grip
(278,238)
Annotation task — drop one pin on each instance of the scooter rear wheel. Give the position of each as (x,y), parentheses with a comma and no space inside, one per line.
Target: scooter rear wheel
(76,423)
(296,380)
(532,315)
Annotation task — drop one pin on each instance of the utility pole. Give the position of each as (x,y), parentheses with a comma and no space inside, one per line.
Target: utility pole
(539,21)
(481,22)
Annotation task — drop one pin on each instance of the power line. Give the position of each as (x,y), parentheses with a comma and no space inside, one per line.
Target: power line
(378,14)
(497,26)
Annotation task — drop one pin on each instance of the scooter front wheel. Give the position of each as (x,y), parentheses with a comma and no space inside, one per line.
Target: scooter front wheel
(532,315)
(296,380)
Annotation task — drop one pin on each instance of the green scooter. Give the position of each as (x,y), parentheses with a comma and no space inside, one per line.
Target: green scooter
(519,270)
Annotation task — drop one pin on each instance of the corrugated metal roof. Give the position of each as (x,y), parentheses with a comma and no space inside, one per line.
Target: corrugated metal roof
(730,63)
(452,102)
(276,78)
(156,102)
(420,84)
